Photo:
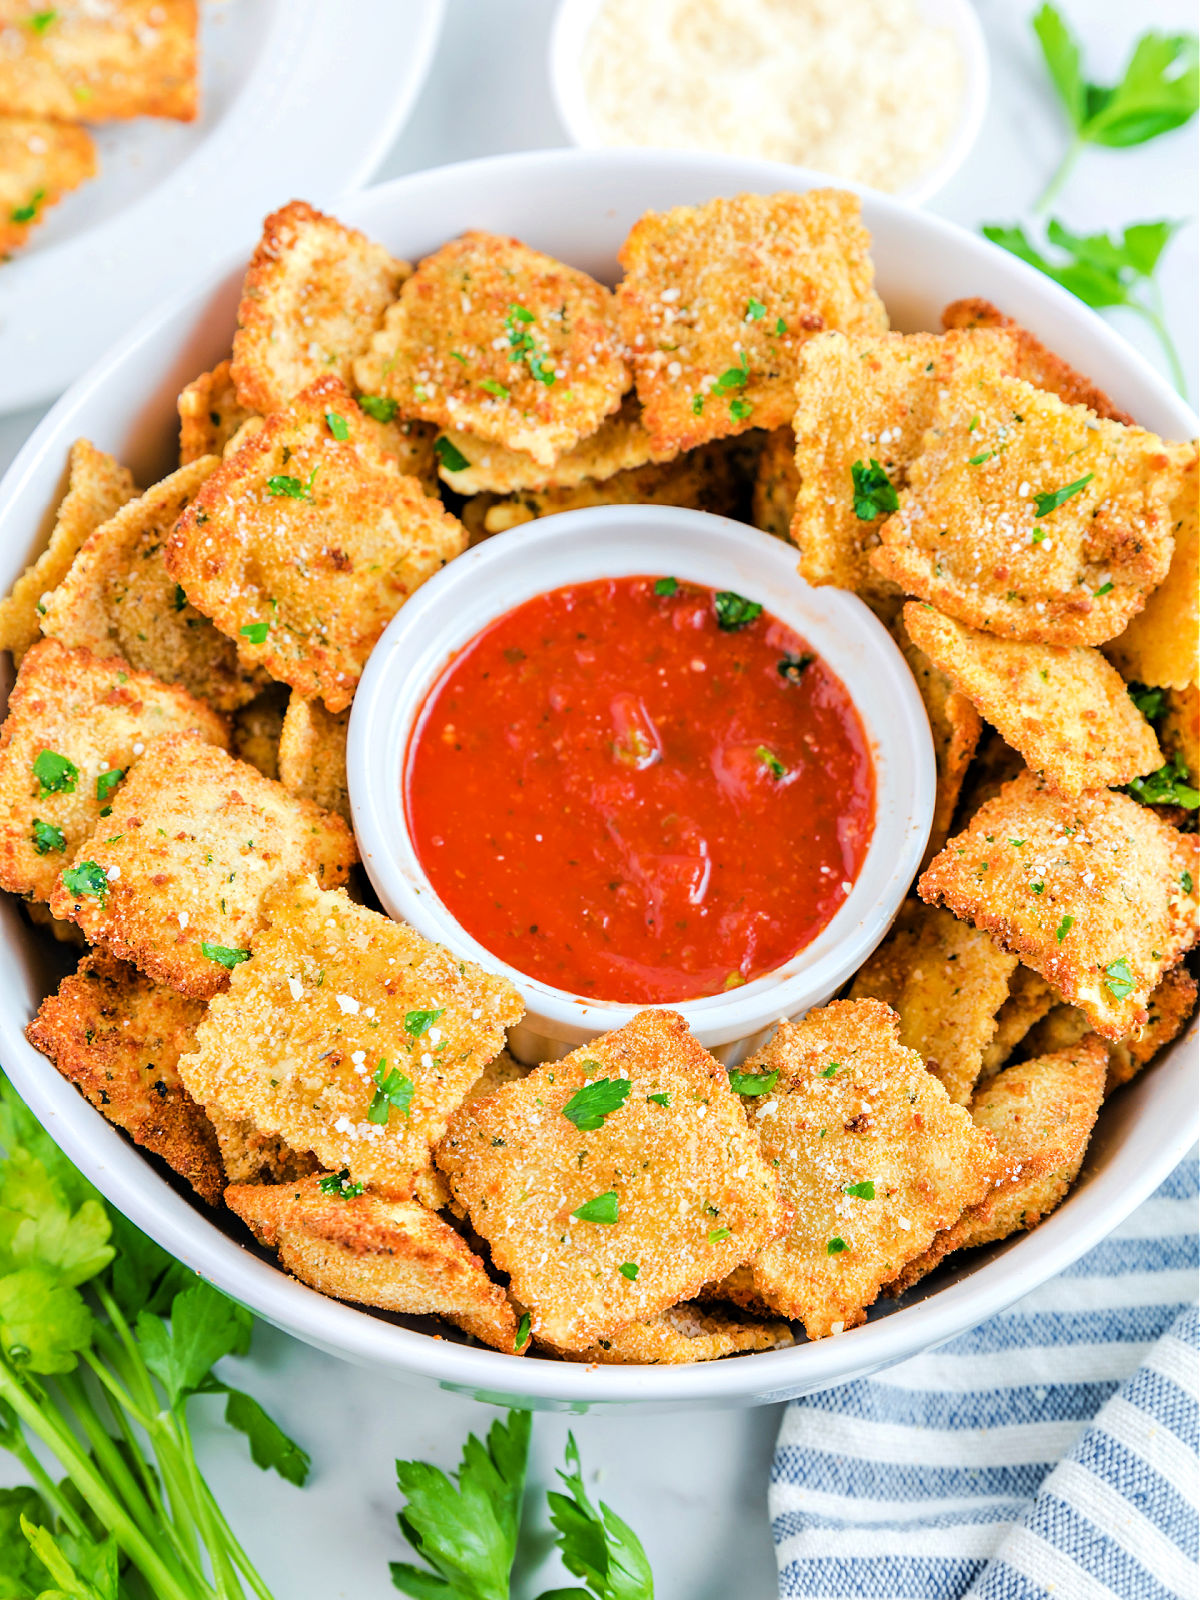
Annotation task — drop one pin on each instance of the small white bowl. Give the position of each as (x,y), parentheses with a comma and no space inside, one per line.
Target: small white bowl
(573,22)
(617,541)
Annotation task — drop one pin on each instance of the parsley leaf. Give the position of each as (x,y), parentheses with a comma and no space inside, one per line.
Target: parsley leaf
(179,599)
(41,20)
(772,762)
(835,1247)
(1064,928)
(339,1184)
(1166,787)
(733,377)
(1050,501)
(223,955)
(270,1448)
(752,1083)
(739,410)
(54,773)
(292,488)
(88,878)
(495,388)
(588,1107)
(755,310)
(418,1023)
(1118,979)
(596,1546)
(449,454)
(874,493)
(255,632)
(628,1269)
(861,1191)
(30,209)
(203,1327)
(47,837)
(524,1328)
(734,612)
(792,667)
(716,1235)
(603,1208)
(106,782)
(391,1089)
(338,426)
(377,406)
(666,586)
(659,1099)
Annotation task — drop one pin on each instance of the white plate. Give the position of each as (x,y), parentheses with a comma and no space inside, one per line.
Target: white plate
(579,205)
(299,98)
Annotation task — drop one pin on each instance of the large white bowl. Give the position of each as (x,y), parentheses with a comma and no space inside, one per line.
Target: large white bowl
(579,205)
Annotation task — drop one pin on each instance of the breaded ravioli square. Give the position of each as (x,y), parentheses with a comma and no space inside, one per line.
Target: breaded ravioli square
(776,484)
(685,1333)
(1161,644)
(947,982)
(210,413)
(1097,894)
(1041,1114)
(119,598)
(304,544)
(76,724)
(349,1035)
(497,340)
(1171,1006)
(175,876)
(313,297)
(312,754)
(97,488)
(1030,997)
(391,1254)
(40,161)
(117,1037)
(718,301)
(613,1183)
(99,63)
(258,728)
(955,726)
(249,1156)
(1032,519)
(1061,706)
(870,1154)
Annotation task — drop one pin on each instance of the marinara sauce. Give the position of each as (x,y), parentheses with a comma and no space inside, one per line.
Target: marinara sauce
(640,790)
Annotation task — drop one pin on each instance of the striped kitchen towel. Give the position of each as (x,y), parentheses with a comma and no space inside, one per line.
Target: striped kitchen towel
(1049,1453)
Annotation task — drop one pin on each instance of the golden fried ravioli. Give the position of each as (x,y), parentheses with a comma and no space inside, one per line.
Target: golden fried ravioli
(955,726)
(312,754)
(175,876)
(258,728)
(613,1183)
(776,484)
(718,301)
(1097,894)
(210,413)
(1171,1006)
(1030,997)
(685,1333)
(40,161)
(349,1035)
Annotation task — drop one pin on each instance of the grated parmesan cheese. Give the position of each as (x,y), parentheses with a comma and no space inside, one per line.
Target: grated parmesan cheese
(861,89)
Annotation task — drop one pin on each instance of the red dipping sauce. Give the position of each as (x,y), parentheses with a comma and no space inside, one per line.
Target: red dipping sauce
(619,796)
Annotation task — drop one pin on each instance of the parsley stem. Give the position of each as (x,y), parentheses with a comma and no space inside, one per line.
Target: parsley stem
(1061,173)
(108,1457)
(1153,314)
(17,1445)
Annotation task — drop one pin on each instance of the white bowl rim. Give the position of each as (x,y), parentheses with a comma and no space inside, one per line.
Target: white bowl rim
(137,1190)
(572,21)
(485,582)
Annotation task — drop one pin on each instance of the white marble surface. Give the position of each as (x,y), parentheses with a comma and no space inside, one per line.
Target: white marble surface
(693,1485)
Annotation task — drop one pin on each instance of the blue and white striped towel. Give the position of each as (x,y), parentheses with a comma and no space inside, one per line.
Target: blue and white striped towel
(1049,1453)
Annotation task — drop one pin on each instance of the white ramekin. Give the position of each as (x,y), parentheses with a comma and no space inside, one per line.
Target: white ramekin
(612,541)
(573,22)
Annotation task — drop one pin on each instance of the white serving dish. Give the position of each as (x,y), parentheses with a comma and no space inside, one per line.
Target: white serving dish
(579,205)
(616,541)
(573,22)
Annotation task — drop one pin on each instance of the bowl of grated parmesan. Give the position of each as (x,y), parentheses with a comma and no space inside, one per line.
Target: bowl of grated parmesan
(889,94)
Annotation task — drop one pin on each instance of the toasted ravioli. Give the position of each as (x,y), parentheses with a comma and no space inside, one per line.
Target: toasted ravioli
(1161,644)
(258,728)
(175,877)
(312,754)
(119,598)
(1171,1006)
(1033,361)
(718,300)
(870,1154)
(391,1254)
(335,1003)
(429,1185)
(776,484)
(1030,997)
(100,63)
(685,1333)
(305,543)
(313,297)
(1061,706)
(955,726)
(1040,1113)
(117,1037)
(210,413)
(992,766)
(76,724)
(1181,728)
(947,981)
(669,1181)
(97,488)
(480,466)
(1029,518)
(249,1156)
(1096,894)
(494,339)
(40,161)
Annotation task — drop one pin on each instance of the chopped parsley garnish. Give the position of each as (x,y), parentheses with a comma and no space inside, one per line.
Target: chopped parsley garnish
(835,1247)
(524,1327)
(1064,928)
(733,377)
(47,837)
(523,346)
(739,410)
(495,388)
(628,1269)
(377,406)
(588,1107)
(715,1235)
(1044,504)
(772,762)
(223,955)
(180,599)
(391,1089)
(792,667)
(602,1209)
(449,454)
(40,21)
(831,1071)
(755,310)
(1185,882)
(977,461)
(1118,979)
(54,773)
(697,404)
(1105,588)
(338,1183)
(734,611)
(106,782)
(88,878)
(659,1099)
(292,488)
(780,326)
(338,426)
(30,209)
(1150,702)
(666,586)
(861,1191)
(874,493)
(751,1083)
(1167,786)
(417,1023)
(255,632)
